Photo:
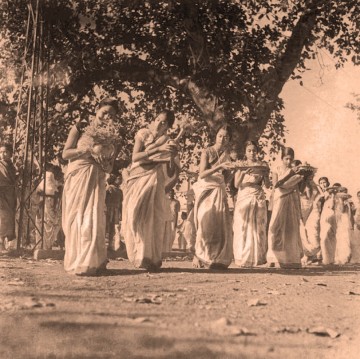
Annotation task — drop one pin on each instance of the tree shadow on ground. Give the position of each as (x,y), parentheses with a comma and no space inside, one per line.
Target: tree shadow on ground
(306,271)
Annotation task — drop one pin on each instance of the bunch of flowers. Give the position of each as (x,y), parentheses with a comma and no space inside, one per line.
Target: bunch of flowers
(99,140)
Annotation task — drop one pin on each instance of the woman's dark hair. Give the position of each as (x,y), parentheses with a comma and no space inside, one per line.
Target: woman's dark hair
(324,179)
(336,184)
(252,143)
(170,117)
(8,147)
(226,128)
(107,101)
(287,151)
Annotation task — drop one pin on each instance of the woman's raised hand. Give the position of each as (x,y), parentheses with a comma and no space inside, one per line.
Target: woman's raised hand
(168,147)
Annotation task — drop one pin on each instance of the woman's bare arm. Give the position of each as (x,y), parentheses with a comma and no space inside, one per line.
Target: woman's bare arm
(70,151)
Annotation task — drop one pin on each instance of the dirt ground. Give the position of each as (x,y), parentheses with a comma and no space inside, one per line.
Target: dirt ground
(178,312)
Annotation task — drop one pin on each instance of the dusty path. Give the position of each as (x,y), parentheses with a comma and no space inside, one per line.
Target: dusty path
(177,313)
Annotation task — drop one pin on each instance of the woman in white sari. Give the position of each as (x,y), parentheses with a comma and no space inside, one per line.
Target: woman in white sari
(310,223)
(285,248)
(355,235)
(250,212)
(213,247)
(145,207)
(83,204)
(328,227)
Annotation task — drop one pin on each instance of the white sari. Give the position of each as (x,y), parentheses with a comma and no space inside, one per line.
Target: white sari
(250,220)
(83,217)
(145,211)
(212,219)
(284,241)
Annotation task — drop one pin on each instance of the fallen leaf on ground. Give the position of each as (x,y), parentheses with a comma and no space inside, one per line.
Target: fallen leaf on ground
(142,320)
(224,326)
(16,283)
(255,303)
(304,279)
(352,293)
(322,284)
(151,300)
(324,332)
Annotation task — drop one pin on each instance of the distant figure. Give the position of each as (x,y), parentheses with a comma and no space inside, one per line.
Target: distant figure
(113,201)
(355,237)
(328,226)
(7,195)
(213,248)
(48,191)
(171,224)
(284,241)
(250,213)
(344,226)
(181,230)
(90,151)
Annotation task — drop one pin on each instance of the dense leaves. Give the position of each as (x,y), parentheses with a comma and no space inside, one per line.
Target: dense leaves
(211,60)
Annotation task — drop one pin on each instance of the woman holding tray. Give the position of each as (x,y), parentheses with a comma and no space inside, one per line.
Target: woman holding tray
(145,207)
(285,248)
(213,247)
(250,212)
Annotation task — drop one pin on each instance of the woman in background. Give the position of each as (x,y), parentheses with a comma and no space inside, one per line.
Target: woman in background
(328,226)
(250,212)
(355,237)
(213,247)
(284,241)
(344,226)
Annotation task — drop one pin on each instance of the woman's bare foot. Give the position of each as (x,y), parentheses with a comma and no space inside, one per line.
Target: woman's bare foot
(196,263)
(305,261)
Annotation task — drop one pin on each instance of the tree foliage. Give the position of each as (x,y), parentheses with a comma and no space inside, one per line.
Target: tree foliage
(210,60)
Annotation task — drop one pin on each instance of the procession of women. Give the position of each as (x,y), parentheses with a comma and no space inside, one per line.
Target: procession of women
(300,223)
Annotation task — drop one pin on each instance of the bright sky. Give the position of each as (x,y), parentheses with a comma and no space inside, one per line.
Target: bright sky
(320,129)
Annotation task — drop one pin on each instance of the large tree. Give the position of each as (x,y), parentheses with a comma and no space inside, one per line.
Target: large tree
(210,60)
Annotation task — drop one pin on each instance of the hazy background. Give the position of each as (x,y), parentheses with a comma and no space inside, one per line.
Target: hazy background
(320,129)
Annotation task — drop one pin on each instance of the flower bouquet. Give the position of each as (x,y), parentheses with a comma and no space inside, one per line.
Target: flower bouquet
(99,140)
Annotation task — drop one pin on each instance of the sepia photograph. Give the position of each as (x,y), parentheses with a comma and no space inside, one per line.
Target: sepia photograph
(179,179)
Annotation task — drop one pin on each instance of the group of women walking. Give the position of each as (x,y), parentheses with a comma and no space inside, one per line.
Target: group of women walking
(246,236)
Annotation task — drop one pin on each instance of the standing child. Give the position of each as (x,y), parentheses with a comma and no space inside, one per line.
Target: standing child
(181,230)
(171,223)
(285,248)
(113,202)
(7,195)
